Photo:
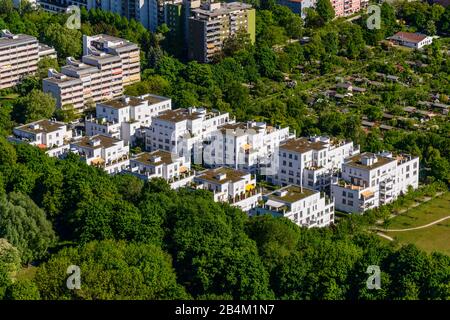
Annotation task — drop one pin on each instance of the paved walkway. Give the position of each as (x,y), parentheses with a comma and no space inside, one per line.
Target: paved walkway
(385,236)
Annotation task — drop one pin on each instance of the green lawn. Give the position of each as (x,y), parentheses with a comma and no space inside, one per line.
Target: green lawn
(423,214)
(433,238)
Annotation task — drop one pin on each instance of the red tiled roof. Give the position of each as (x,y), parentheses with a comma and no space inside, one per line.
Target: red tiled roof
(410,37)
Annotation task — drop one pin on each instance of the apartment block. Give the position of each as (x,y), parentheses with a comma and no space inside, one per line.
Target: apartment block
(48,135)
(305,207)
(109,154)
(124,117)
(182,131)
(80,83)
(128,52)
(369,180)
(212,23)
(100,75)
(162,164)
(19,57)
(246,146)
(311,162)
(341,8)
(238,188)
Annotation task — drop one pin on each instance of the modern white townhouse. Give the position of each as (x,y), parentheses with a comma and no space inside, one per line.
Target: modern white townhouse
(108,65)
(305,207)
(48,135)
(19,57)
(232,186)
(124,117)
(369,180)
(311,162)
(245,146)
(183,131)
(162,164)
(109,154)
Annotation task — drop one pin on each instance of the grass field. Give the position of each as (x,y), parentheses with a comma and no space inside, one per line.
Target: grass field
(433,238)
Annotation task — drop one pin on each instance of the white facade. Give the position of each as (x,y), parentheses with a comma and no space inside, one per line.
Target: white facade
(51,136)
(109,154)
(370,180)
(122,118)
(162,164)
(244,146)
(303,206)
(235,187)
(411,40)
(311,162)
(183,131)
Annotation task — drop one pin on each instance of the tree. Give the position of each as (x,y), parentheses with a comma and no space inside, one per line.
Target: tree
(6,7)
(34,106)
(25,226)
(111,270)
(66,113)
(9,256)
(67,42)
(325,10)
(22,290)
(8,155)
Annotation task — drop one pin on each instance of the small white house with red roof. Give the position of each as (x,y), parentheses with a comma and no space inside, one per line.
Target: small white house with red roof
(411,40)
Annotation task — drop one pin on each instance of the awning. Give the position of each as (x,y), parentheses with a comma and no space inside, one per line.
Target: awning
(249,187)
(274,204)
(183,169)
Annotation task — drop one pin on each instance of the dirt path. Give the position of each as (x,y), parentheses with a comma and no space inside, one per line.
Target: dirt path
(415,228)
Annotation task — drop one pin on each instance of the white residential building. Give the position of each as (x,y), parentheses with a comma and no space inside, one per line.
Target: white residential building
(311,162)
(244,146)
(183,131)
(123,117)
(235,187)
(305,207)
(49,135)
(411,40)
(369,180)
(162,164)
(109,154)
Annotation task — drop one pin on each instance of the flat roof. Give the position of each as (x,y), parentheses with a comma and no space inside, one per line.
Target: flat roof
(123,102)
(224,8)
(291,194)
(105,142)
(41,126)
(355,161)
(231,175)
(302,145)
(178,115)
(149,158)
(16,39)
(153,98)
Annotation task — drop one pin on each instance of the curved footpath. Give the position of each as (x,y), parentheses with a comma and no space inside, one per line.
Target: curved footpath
(415,228)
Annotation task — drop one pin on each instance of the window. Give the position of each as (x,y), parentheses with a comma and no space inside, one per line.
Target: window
(344,193)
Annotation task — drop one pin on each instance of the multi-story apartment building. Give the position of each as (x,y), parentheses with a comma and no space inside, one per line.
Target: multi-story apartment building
(238,188)
(19,57)
(162,164)
(341,8)
(246,146)
(369,180)
(49,135)
(96,78)
(212,23)
(182,131)
(311,162)
(109,154)
(128,52)
(123,117)
(305,207)
(110,63)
